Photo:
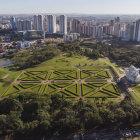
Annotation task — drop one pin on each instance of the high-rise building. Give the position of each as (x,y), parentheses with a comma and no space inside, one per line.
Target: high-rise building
(75,26)
(117,29)
(95,31)
(128,32)
(38,22)
(45,24)
(19,25)
(35,22)
(40,25)
(137,31)
(63,24)
(69,24)
(51,24)
(24,25)
(13,23)
(117,19)
(100,32)
(132,30)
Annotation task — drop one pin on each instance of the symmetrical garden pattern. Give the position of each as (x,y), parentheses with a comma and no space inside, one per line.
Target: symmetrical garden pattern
(95,83)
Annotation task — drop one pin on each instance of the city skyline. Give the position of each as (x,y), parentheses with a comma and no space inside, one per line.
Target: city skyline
(70,6)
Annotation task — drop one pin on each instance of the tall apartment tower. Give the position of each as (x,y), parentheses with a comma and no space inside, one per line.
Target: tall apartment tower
(132,31)
(51,24)
(63,24)
(13,23)
(137,31)
(75,26)
(69,26)
(24,25)
(35,22)
(40,26)
(38,22)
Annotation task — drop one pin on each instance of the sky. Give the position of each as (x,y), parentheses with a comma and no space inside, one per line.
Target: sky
(70,6)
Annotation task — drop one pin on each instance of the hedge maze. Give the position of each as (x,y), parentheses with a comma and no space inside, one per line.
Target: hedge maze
(95,83)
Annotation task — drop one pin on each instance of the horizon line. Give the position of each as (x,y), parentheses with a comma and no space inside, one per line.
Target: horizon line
(71,13)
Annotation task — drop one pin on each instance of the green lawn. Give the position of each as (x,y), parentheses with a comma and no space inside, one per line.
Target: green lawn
(6,78)
(136,88)
(136,97)
(87,89)
(71,63)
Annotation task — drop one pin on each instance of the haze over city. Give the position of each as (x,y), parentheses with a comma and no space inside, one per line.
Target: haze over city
(70,6)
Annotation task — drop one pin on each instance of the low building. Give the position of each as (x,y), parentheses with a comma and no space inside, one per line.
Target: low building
(71,37)
(23,45)
(33,35)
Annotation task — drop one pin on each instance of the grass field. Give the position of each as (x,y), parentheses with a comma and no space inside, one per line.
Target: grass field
(136,88)
(6,78)
(136,97)
(63,62)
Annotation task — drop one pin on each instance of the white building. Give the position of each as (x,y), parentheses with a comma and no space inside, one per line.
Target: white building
(63,24)
(71,37)
(23,45)
(12,21)
(132,74)
(51,24)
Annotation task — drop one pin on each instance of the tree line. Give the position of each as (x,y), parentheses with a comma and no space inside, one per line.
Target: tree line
(34,56)
(29,114)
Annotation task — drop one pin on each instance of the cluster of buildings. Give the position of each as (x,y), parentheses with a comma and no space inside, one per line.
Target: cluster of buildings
(41,23)
(73,27)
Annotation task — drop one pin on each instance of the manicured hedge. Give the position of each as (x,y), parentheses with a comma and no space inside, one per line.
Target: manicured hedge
(27,85)
(51,91)
(62,85)
(86,88)
(110,90)
(71,88)
(101,94)
(13,89)
(116,76)
(65,94)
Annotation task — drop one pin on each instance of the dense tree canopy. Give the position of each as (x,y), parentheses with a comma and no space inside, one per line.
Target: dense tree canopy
(30,114)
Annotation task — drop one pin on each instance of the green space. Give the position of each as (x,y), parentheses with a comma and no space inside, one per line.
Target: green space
(101,94)
(136,88)
(65,82)
(6,78)
(67,88)
(49,89)
(86,88)
(65,75)
(112,88)
(97,84)
(62,85)
(74,89)
(27,85)
(13,89)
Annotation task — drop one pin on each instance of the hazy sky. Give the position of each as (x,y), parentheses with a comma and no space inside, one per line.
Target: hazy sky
(70,6)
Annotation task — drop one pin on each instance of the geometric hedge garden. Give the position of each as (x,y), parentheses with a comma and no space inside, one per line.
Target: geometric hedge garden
(94,83)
